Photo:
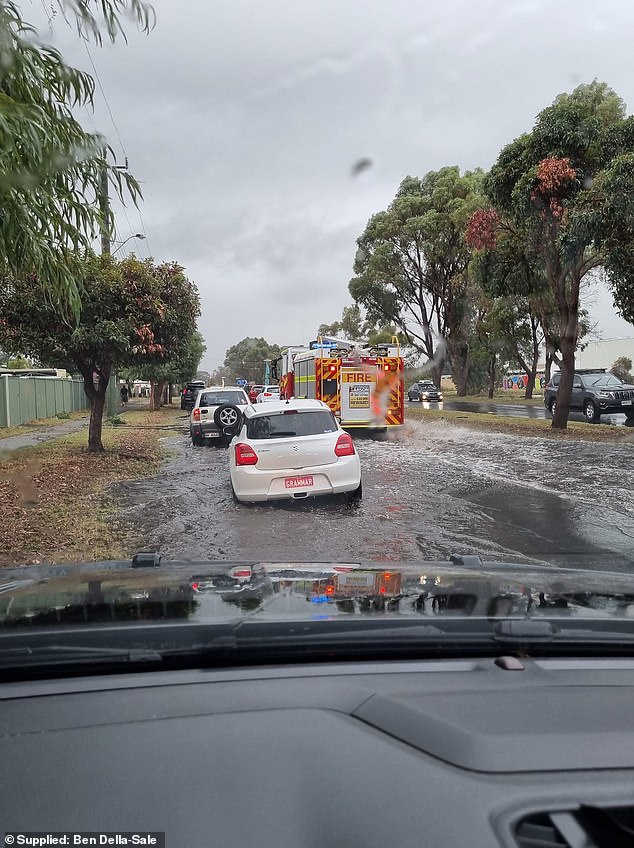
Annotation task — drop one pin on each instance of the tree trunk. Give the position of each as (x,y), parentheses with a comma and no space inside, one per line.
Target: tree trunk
(530,383)
(157,392)
(436,374)
(95,445)
(492,372)
(460,358)
(96,394)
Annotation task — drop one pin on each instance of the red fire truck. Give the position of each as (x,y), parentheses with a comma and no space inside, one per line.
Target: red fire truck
(363,386)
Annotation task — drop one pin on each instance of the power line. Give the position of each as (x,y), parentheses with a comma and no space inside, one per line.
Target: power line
(116,128)
(105,99)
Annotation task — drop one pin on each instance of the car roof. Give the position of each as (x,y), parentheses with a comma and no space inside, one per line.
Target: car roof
(283,405)
(223,389)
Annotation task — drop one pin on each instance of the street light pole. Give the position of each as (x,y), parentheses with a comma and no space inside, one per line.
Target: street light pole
(134,236)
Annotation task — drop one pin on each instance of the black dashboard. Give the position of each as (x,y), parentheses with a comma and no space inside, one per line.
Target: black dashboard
(448,753)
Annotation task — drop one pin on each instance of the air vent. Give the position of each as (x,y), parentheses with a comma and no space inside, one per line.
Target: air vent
(583,827)
(538,832)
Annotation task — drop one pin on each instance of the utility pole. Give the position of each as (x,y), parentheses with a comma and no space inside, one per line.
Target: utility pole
(104,204)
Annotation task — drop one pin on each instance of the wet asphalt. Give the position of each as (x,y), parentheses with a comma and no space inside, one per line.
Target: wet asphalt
(429,491)
(516,411)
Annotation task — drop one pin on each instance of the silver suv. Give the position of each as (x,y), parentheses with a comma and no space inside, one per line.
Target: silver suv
(217,413)
(595,393)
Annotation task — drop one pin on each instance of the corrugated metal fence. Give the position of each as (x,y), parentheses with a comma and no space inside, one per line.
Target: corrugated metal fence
(29,398)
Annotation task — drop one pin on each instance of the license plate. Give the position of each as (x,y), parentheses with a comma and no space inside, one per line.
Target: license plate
(212,435)
(626,403)
(299,482)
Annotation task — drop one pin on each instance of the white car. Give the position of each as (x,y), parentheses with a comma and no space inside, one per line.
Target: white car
(268,393)
(292,449)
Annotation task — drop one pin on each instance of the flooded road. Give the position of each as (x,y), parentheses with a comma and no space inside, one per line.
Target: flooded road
(516,410)
(430,491)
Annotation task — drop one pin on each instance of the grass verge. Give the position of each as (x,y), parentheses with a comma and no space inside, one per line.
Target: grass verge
(42,423)
(577,431)
(500,396)
(56,498)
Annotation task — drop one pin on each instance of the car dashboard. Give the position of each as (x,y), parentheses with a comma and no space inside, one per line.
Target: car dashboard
(478,752)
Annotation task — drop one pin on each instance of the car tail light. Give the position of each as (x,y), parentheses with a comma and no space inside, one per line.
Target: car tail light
(196,415)
(344,446)
(245,455)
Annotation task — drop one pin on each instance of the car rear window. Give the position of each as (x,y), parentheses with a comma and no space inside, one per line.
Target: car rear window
(291,423)
(216,398)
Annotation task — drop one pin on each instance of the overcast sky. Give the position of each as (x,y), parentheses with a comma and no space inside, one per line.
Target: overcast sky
(243,118)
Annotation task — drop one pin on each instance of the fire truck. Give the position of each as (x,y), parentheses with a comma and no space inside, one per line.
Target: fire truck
(363,386)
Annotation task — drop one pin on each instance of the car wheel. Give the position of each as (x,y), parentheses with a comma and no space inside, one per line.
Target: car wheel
(228,418)
(590,412)
(553,406)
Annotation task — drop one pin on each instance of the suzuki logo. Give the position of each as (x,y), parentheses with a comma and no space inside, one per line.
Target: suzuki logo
(295,448)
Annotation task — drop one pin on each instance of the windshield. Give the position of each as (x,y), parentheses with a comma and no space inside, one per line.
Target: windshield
(415,218)
(603,380)
(289,424)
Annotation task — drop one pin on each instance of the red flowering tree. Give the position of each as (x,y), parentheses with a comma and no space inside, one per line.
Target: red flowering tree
(544,186)
(132,313)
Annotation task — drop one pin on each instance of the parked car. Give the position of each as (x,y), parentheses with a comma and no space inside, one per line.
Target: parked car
(268,393)
(595,393)
(424,390)
(188,395)
(217,413)
(254,391)
(290,450)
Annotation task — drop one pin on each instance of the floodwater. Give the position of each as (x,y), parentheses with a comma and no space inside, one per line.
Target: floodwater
(429,491)
(516,411)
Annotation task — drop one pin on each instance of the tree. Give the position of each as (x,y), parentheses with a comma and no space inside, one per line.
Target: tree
(132,313)
(351,326)
(412,267)
(245,360)
(622,368)
(179,365)
(50,167)
(561,188)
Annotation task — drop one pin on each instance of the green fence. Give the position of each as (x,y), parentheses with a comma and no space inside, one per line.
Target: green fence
(29,398)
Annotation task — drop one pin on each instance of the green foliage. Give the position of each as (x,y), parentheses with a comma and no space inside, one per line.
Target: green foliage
(133,314)
(412,262)
(563,194)
(50,168)
(245,360)
(622,368)
(63,415)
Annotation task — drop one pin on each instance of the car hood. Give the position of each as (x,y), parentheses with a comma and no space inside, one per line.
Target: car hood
(219,591)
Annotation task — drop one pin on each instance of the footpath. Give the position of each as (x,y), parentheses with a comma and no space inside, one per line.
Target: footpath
(43,434)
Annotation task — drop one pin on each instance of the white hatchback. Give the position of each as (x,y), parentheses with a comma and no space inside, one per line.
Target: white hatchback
(291,450)
(268,393)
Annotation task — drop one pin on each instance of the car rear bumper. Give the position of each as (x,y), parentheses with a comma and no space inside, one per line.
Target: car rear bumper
(208,432)
(252,485)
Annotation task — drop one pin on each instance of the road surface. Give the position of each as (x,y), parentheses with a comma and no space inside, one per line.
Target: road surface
(514,410)
(431,490)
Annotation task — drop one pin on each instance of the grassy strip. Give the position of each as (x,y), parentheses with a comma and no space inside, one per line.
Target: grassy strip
(577,431)
(508,397)
(42,423)
(55,497)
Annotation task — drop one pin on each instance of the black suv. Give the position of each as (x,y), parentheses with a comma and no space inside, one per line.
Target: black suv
(595,393)
(190,392)
(424,390)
